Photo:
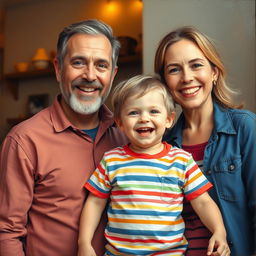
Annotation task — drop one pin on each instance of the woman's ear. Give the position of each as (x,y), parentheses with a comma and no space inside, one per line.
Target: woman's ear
(215,73)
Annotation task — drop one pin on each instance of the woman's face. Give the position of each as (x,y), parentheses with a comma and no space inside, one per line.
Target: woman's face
(189,75)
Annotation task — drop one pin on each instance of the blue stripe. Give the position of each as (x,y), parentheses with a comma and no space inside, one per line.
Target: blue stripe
(97,187)
(112,166)
(161,180)
(135,232)
(197,187)
(146,213)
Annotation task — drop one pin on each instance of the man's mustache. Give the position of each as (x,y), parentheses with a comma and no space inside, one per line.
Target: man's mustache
(86,83)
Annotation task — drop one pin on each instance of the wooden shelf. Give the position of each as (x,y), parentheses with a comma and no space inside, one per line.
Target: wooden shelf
(13,79)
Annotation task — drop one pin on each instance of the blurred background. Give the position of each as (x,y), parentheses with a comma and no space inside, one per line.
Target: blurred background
(29,30)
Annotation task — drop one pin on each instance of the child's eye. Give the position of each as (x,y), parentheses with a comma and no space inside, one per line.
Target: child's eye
(154,111)
(132,113)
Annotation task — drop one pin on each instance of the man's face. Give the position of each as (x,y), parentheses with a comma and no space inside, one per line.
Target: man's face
(87,73)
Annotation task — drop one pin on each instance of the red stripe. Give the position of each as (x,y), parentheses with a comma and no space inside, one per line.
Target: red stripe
(146,241)
(149,193)
(200,191)
(191,170)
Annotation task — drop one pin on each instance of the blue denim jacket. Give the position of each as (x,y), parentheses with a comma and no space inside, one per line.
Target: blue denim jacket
(230,165)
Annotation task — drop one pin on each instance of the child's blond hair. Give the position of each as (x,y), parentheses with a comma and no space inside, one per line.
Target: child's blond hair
(139,85)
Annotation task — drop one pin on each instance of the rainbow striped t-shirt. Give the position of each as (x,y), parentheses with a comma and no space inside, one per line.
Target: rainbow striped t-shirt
(146,199)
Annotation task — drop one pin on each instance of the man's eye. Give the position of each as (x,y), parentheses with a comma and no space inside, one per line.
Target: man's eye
(102,65)
(77,63)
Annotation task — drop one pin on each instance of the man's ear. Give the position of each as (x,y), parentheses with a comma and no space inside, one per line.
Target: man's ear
(114,73)
(57,68)
(170,120)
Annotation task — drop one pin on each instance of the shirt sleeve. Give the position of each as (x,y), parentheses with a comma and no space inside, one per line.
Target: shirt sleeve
(248,148)
(195,181)
(99,184)
(16,193)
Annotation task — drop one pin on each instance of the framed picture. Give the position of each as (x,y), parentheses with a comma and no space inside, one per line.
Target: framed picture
(37,102)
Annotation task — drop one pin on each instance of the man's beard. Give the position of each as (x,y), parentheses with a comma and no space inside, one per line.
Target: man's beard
(85,108)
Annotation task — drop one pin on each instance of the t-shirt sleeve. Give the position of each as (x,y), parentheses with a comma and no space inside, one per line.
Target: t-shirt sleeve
(99,184)
(195,181)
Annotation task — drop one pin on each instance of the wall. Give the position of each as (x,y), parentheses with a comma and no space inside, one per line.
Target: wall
(30,24)
(231,23)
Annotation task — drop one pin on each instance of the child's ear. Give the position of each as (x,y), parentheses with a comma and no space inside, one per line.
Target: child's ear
(119,124)
(170,120)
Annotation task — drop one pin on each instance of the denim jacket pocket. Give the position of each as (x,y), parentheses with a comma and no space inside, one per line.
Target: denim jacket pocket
(170,189)
(228,178)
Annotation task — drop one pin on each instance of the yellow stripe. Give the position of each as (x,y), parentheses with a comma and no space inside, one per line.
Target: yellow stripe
(194,178)
(140,221)
(149,207)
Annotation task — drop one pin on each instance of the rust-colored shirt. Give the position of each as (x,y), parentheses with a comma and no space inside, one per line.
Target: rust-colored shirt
(45,162)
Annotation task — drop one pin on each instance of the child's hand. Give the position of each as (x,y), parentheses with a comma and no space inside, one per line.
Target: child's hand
(86,250)
(218,245)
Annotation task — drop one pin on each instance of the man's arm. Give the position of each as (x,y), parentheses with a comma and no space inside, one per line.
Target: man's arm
(16,193)
(89,221)
(210,215)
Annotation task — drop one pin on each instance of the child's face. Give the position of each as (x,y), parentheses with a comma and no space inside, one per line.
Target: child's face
(144,120)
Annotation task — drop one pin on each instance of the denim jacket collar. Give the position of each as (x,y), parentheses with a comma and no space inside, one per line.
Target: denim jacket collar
(222,124)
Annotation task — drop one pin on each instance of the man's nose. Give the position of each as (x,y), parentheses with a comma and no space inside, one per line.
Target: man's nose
(89,73)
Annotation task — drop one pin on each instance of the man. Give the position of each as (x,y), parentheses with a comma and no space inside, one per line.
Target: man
(46,160)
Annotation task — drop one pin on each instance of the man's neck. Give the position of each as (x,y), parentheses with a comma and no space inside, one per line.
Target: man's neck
(83,122)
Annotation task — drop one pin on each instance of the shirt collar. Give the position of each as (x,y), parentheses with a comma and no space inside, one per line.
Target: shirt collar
(61,122)
(222,124)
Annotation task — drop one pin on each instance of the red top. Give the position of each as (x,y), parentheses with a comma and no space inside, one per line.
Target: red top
(44,164)
(195,232)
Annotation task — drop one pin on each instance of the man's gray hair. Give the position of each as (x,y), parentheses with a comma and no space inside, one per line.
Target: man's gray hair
(89,27)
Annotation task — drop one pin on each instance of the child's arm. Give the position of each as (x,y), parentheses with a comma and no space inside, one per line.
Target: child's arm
(89,221)
(210,215)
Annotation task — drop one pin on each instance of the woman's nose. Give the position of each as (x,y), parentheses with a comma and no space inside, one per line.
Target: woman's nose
(187,75)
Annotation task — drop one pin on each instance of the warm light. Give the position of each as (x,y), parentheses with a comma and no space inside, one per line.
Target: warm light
(111,7)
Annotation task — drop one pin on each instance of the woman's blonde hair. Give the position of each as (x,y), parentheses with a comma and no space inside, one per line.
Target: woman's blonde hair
(221,92)
(138,85)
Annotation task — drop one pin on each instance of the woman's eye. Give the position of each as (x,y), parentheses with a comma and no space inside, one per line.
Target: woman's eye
(173,70)
(197,65)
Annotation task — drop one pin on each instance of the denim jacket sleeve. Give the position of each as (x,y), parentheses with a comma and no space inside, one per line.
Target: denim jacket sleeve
(248,146)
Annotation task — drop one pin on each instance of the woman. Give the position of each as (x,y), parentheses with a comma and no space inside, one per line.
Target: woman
(220,136)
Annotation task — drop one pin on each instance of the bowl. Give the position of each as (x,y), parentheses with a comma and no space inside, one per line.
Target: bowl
(21,66)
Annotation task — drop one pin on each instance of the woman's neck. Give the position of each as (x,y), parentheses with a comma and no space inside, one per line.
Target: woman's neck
(198,125)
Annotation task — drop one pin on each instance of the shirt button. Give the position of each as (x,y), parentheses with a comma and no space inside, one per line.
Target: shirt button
(208,172)
(231,167)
